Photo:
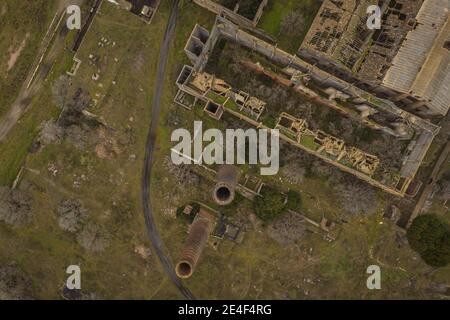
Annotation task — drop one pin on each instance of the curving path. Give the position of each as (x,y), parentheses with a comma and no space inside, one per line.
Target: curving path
(153,232)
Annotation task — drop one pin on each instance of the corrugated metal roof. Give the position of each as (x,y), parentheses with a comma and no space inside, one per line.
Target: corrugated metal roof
(412,58)
(440,100)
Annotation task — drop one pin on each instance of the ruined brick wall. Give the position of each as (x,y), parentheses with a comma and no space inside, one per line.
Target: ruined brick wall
(233,16)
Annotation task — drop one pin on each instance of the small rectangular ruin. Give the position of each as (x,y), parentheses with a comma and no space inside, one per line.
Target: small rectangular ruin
(145,9)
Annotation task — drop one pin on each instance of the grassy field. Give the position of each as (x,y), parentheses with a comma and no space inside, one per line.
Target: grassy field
(14,149)
(119,271)
(53,249)
(23,25)
(257,268)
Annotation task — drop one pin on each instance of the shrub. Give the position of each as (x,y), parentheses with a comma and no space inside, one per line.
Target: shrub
(293,200)
(430,237)
(188,218)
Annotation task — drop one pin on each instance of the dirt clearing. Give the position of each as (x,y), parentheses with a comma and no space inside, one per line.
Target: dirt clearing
(14,54)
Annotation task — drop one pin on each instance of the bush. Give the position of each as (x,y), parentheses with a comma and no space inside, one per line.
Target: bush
(293,200)
(270,204)
(292,22)
(430,237)
(269,121)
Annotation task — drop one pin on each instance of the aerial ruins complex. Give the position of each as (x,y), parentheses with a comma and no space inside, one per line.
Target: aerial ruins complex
(199,89)
(406,61)
(389,83)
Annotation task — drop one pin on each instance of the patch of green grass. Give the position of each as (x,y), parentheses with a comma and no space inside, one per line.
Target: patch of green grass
(308,142)
(216,98)
(269,121)
(14,149)
(112,33)
(293,200)
(277,10)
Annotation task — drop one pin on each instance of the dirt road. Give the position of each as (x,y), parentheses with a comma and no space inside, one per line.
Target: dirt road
(153,232)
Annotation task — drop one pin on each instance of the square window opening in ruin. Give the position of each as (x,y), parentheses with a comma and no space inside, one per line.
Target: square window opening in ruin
(214,110)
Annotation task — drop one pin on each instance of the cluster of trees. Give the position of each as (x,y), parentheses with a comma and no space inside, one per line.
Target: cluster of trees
(272,203)
(72,123)
(73,217)
(430,237)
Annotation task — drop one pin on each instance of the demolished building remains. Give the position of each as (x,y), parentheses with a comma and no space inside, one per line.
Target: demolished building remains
(406,61)
(215,96)
(199,232)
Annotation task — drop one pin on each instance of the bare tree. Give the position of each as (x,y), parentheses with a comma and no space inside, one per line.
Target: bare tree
(183,175)
(92,238)
(287,229)
(73,110)
(50,133)
(72,215)
(15,206)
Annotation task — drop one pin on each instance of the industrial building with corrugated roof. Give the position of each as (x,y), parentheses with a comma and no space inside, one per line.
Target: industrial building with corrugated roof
(422,66)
